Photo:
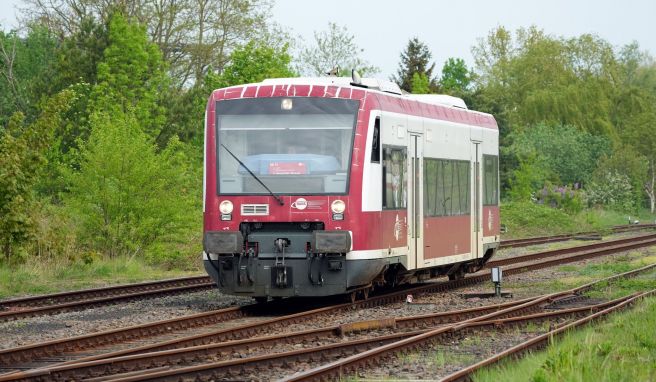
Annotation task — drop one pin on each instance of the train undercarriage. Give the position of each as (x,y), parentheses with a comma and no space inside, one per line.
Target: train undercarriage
(300,259)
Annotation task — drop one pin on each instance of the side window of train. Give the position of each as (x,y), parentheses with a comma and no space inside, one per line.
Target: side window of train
(375,142)
(490,180)
(394,177)
(446,187)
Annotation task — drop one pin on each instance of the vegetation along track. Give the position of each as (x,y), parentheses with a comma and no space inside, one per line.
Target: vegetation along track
(524,242)
(18,308)
(31,356)
(251,356)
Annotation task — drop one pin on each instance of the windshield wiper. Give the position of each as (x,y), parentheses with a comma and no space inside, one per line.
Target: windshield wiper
(278,198)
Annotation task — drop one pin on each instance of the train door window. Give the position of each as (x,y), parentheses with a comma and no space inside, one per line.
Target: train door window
(375,142)
(464,188)
(394,178)
(490,180)
(430,186)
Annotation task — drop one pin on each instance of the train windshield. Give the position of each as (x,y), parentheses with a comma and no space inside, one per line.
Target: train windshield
(293,145)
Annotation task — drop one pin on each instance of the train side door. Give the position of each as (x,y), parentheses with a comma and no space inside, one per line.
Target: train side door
(415,200)
(476,205)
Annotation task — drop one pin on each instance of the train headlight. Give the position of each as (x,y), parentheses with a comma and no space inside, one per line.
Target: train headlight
(226,210)
(226,207)
(338,206)
(286,104)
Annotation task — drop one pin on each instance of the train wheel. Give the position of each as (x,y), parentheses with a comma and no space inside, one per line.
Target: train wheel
(457,275)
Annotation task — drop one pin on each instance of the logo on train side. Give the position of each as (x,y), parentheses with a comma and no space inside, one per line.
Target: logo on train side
(397,228)
(300,204)
(490,219)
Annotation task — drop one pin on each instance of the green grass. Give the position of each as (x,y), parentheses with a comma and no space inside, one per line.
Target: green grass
(620,348)
(525,219)
(36,277)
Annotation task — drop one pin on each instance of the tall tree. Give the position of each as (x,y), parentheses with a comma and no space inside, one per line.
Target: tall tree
(22,159)
(255,62)
(193,35)
(131,75)
(26,67)
(415,59)
(456,77)
(334,48)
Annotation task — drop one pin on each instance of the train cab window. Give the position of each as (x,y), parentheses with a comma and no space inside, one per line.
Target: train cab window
(394,178)
(375,142)
(490,180)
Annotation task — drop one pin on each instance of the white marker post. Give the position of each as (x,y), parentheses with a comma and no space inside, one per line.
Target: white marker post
(496,279)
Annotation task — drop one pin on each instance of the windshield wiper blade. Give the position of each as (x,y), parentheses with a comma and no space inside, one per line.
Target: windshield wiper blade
(278,198)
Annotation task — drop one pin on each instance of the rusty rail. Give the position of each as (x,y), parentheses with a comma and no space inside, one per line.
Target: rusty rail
(523,242)
(11,357)
(235,367)
(542,340)
(23,307)
(351,364)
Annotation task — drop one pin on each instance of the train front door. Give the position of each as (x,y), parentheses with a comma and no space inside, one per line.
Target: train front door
(415,201)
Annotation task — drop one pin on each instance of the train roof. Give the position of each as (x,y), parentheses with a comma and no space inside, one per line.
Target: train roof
(453,109)
(373,84)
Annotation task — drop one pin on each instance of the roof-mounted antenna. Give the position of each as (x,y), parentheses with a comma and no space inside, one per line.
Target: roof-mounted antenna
(334,72)
(356,80)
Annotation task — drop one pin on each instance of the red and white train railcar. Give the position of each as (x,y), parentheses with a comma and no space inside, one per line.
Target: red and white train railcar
(321,186)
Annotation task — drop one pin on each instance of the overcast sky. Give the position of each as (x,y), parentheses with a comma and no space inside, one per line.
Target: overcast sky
(450,28)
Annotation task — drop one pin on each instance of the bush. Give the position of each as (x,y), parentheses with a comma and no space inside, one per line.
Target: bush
(531,219)
(614,190)
(563,197)
(127,197)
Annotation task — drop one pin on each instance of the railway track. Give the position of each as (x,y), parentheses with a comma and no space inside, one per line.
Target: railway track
(173,334)
(363,360)
(344,343)
(541,340)
(18,308)
(524,242)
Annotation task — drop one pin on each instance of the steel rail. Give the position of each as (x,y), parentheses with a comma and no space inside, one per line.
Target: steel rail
(29,353)
(111,363)
(352,363)
(234,367)
(568,250)
(87,369)
(523,242)
(24,307)
(541,340)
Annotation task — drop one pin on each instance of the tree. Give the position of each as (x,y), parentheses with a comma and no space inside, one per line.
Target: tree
(26,66)
(193,35)
(420,84)
(640,134)
(334,48)
(81,52)
(127,196)
(568,154)
(415,59)
(131,76)
(255,62)
(456,78)
(21,162)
